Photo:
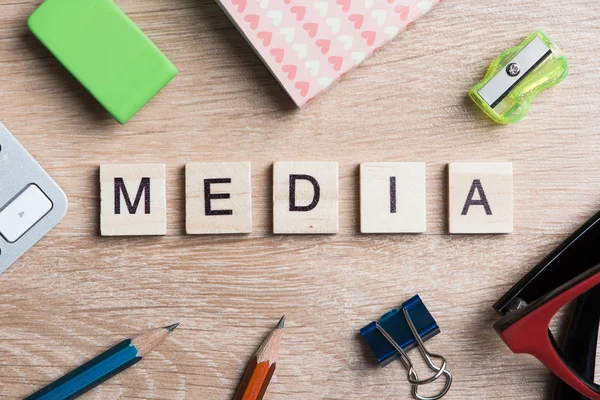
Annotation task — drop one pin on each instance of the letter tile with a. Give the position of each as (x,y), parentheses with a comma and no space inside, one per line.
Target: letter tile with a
(481,197)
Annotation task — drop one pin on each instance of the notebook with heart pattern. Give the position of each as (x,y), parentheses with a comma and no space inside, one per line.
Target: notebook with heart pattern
(309,45)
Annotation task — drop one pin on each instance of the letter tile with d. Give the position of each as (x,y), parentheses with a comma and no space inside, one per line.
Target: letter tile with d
(305,197)
(133,199)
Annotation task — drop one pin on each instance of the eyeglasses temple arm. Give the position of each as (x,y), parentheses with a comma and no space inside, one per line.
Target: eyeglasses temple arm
(575,255)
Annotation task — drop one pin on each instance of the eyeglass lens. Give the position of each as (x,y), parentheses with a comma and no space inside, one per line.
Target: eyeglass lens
(574,330)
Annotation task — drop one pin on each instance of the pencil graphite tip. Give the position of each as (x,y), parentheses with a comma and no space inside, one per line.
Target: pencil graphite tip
(281,323)
(171,328)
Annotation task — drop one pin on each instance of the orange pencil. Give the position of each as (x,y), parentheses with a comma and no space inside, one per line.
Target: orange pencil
(261,368)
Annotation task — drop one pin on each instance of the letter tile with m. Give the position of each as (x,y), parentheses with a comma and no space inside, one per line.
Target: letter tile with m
(133,199)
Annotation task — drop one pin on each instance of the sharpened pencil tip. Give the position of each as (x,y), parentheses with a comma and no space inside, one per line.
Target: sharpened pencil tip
(281,323)
(171,328)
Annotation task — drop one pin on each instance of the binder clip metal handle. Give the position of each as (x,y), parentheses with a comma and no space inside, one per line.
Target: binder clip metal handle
(399,332)
(413,378)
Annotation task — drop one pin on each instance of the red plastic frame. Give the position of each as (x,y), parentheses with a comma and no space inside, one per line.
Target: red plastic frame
(529,334)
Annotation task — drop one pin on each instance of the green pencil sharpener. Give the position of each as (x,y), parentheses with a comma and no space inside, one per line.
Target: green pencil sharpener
(517,75)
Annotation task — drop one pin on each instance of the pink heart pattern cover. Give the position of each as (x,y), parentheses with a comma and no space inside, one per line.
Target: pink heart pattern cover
(310,44)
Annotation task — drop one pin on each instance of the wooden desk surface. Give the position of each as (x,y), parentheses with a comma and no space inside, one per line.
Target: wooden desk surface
(76,293)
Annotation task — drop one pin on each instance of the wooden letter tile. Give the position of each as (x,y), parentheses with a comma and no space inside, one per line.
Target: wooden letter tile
(392,197)
(481,197)
(218,198)
(133,200)
(305,197)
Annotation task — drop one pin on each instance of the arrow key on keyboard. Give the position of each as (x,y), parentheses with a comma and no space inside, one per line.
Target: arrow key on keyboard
(23,212)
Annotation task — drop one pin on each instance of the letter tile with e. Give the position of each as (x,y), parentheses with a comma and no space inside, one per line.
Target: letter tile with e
(481,197)
(218,198)
(305,197)
(133,199)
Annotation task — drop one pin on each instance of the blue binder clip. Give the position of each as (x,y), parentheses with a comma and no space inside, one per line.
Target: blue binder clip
(401,330)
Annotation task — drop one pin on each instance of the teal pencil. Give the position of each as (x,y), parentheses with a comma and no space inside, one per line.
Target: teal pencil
(103,367)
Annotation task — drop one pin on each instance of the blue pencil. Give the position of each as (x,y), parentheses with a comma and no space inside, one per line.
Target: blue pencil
(103,367)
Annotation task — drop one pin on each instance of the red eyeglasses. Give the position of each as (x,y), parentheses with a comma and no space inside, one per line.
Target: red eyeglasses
(569,273)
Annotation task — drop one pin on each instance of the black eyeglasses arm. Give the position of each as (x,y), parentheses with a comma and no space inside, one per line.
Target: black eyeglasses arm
(578,253)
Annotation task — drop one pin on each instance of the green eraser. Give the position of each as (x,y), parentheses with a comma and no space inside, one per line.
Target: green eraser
(105,51)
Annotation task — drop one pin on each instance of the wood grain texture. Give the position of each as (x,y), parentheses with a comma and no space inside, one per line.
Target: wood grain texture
(76,293)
